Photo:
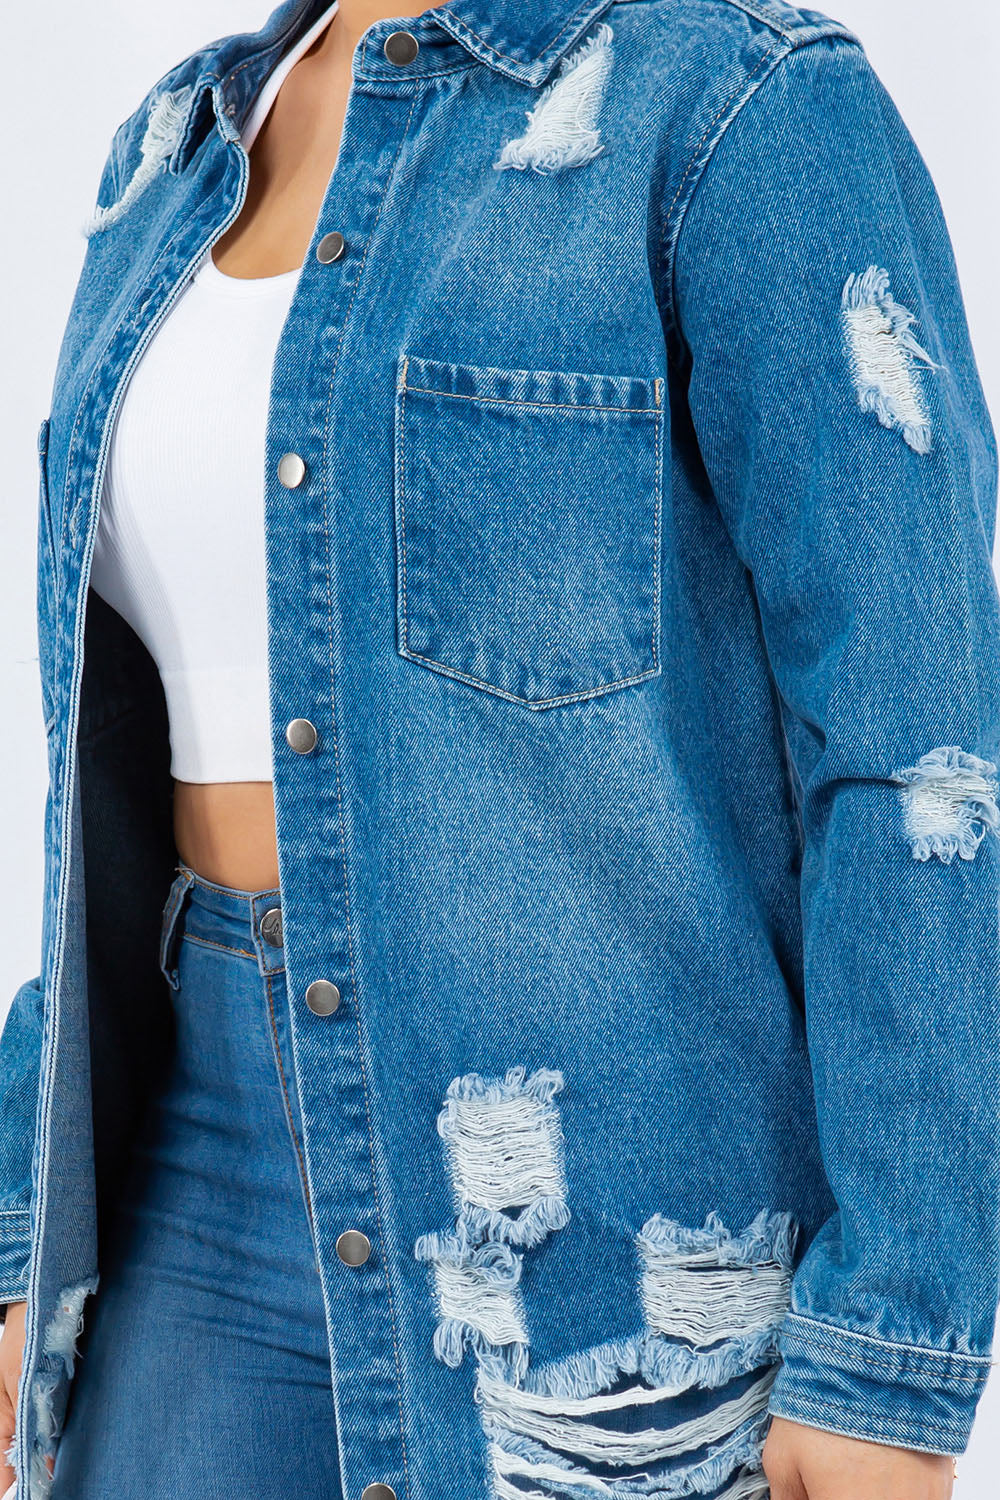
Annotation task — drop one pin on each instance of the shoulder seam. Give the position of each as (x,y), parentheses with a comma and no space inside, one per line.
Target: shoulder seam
(761,11)
(761,15)
(766,64)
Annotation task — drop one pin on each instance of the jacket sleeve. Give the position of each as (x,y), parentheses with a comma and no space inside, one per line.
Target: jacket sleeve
(837,409)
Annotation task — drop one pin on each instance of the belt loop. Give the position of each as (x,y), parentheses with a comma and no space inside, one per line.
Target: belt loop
(168,929)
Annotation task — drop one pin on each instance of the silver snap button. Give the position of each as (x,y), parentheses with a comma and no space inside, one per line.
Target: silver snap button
(378,1492)
(291,470)
(271,927)
(354,1248)
(401,47)
(322,997)
(330,248)
(302,736)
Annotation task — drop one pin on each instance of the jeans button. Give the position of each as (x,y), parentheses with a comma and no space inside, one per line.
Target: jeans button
(378,1492)
(271,927)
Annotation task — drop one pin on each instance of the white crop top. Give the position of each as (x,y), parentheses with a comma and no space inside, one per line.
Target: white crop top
(180,541)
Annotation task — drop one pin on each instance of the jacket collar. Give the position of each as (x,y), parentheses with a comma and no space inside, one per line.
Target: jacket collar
(523,39)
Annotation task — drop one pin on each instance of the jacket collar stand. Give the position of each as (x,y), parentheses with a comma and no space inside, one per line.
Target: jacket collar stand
(523,39)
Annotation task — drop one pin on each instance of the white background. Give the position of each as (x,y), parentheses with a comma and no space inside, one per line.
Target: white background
(73,72)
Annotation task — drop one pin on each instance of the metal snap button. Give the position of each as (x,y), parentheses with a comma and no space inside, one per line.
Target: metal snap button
(271,927)
(354,1248)
(378,1492)
(302,736)
(401,47)
(322,997)
(291,470)
(331,247)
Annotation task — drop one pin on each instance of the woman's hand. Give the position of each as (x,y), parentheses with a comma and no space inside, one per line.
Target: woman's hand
(11,1351)
(803,1463)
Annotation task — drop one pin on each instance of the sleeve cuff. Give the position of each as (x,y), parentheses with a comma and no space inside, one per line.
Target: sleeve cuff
(15,1254)
(896,1394)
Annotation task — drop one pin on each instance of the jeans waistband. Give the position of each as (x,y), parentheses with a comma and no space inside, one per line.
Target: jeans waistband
(247,924)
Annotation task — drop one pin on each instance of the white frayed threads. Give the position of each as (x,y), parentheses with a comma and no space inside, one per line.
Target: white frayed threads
(478,1297)
(562,128)
(949,803)
(504,1144)
(706,1285)
(504,1147)
(591,1444)
(167,117)
(514,1457)
(884,357)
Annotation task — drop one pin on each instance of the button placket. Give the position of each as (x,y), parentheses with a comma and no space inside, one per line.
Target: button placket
(330,1052)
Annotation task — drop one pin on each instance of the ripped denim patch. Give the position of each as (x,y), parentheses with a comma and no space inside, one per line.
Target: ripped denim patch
(677,1409)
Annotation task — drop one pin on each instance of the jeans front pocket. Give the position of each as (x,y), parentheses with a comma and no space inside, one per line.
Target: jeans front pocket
(528,513)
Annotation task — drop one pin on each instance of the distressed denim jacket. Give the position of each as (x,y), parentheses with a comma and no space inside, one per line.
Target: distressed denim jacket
(638,590)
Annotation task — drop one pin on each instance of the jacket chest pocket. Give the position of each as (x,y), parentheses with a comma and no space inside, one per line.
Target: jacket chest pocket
(528,512)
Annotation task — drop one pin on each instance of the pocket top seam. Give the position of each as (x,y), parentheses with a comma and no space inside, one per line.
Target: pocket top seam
(639,411)
(549,389)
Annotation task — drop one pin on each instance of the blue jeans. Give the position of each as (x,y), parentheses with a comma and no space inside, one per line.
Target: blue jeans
(204,1371)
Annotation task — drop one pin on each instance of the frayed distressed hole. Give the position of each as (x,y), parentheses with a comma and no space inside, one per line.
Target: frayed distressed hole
(477,1295)
(522,1467)
(648,1363)
(562,129)
(885,356)
(949,803)
(504,1150)
(704,1286)
(628,1427)
(505,1154)
(683,1406)
(167,118)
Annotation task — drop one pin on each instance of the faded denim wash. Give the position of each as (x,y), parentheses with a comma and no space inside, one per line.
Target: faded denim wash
(639,591)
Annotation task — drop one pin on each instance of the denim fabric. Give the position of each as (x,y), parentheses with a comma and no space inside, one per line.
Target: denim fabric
(639,591)
(204,1365)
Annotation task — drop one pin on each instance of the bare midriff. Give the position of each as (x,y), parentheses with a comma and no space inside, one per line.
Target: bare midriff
(226,830)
